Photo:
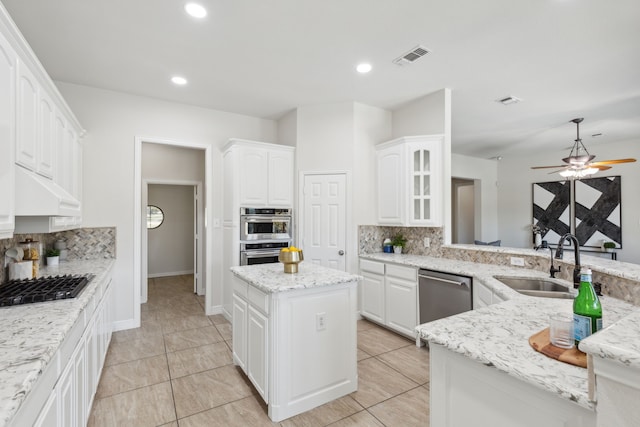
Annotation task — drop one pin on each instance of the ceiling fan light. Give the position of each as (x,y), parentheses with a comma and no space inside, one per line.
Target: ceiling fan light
(590,171)
(567,173)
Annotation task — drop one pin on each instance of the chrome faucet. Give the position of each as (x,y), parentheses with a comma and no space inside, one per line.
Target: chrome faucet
(576,254)
(552,269)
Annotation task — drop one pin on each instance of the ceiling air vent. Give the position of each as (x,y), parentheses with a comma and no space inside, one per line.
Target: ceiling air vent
(411,56)
(508,100)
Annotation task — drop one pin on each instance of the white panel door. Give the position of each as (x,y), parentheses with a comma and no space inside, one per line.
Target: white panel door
(324,219)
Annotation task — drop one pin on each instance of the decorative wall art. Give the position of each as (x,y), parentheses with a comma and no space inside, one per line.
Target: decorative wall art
(597,211)
(552,209)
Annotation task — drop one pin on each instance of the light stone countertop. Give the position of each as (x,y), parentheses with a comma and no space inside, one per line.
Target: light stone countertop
(624,270)
(31,334)
(498,335)
(271,278)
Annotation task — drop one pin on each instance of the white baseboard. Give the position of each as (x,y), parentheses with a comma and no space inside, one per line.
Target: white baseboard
(171,273)
(216,309)
(121,325)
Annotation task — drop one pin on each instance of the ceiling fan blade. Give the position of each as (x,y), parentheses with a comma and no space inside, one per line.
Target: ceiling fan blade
(601,167)
(612,162)
(548,167)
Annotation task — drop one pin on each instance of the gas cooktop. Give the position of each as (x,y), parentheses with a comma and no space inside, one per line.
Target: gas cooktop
(41,289)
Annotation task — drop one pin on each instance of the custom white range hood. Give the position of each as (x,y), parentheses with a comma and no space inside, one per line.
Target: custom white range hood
(39,196)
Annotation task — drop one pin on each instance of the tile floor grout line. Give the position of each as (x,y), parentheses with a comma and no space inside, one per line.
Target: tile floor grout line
(395,369)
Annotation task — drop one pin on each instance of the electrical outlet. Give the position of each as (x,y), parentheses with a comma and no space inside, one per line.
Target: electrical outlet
(517,261)
(427,242)
(321,321)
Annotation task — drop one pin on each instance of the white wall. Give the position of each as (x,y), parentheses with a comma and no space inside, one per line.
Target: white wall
(112,121)
(325,136)
(342,137)
(515,179)
(170,246)
(430,115)
(485,173)
(288,129)
(423,116)
(372,127)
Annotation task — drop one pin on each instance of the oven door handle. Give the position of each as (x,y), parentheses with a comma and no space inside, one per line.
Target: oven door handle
(265,219)
(261,254)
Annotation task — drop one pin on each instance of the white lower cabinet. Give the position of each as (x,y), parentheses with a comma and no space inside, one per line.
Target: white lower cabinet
(483,296)
(257,337)
(69,402)
(66,403)
(401,299)
(49,413)
(239,334)
(389,295)
(294,361)
(372,290)
(250,334)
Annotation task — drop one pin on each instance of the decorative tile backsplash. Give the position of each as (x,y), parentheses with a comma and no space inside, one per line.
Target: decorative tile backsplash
(371,237)
(83,244)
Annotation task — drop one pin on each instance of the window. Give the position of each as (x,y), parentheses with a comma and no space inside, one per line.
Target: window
(155,216)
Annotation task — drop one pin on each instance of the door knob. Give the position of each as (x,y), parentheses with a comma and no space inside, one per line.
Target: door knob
(341,252)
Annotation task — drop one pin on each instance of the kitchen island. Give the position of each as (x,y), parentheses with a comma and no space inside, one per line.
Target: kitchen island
(294,335)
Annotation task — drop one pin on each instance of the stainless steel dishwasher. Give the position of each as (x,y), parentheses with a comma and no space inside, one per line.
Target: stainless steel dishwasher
(442,294)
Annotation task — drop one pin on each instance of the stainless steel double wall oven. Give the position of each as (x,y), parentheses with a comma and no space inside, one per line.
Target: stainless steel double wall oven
(263,232)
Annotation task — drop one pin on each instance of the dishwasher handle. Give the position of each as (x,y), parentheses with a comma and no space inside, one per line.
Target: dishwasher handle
(447,281)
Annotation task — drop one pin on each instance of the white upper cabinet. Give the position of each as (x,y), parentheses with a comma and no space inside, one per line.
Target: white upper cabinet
(35,123)
(27,118)
(281,177)
(410,181)
(46,139)
(253,179)
(8,61)
(264,173)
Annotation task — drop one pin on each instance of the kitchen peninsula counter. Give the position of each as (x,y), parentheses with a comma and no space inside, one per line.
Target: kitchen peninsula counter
(294,335)
(32,335)
(496,337)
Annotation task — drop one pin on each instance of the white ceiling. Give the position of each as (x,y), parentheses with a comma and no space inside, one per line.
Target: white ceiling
(564,58)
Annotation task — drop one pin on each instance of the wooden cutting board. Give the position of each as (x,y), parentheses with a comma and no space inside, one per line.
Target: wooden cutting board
(540,342)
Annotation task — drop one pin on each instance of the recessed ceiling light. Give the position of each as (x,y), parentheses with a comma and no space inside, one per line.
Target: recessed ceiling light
(179,80)
(195,10)
(363,68)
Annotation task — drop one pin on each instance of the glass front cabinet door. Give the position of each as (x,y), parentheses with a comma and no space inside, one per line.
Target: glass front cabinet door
(425,185)
(410,181)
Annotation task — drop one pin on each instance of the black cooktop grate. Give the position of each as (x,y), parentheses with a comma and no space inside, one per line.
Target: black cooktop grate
(41,289)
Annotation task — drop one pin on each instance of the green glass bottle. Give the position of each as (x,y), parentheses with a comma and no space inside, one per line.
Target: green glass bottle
(587,311)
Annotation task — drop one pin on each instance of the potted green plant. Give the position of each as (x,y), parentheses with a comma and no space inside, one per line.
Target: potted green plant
(609,246)
(53,256)
(398,242)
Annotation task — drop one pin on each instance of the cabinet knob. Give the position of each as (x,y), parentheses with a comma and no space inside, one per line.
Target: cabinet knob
(340,252)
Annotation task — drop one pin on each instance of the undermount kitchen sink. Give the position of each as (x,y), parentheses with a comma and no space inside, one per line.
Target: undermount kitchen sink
(536,287)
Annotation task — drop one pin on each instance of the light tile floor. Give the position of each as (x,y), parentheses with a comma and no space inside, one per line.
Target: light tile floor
(177,370)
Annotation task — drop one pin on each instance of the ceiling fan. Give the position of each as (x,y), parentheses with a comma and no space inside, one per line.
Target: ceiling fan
(579,164)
